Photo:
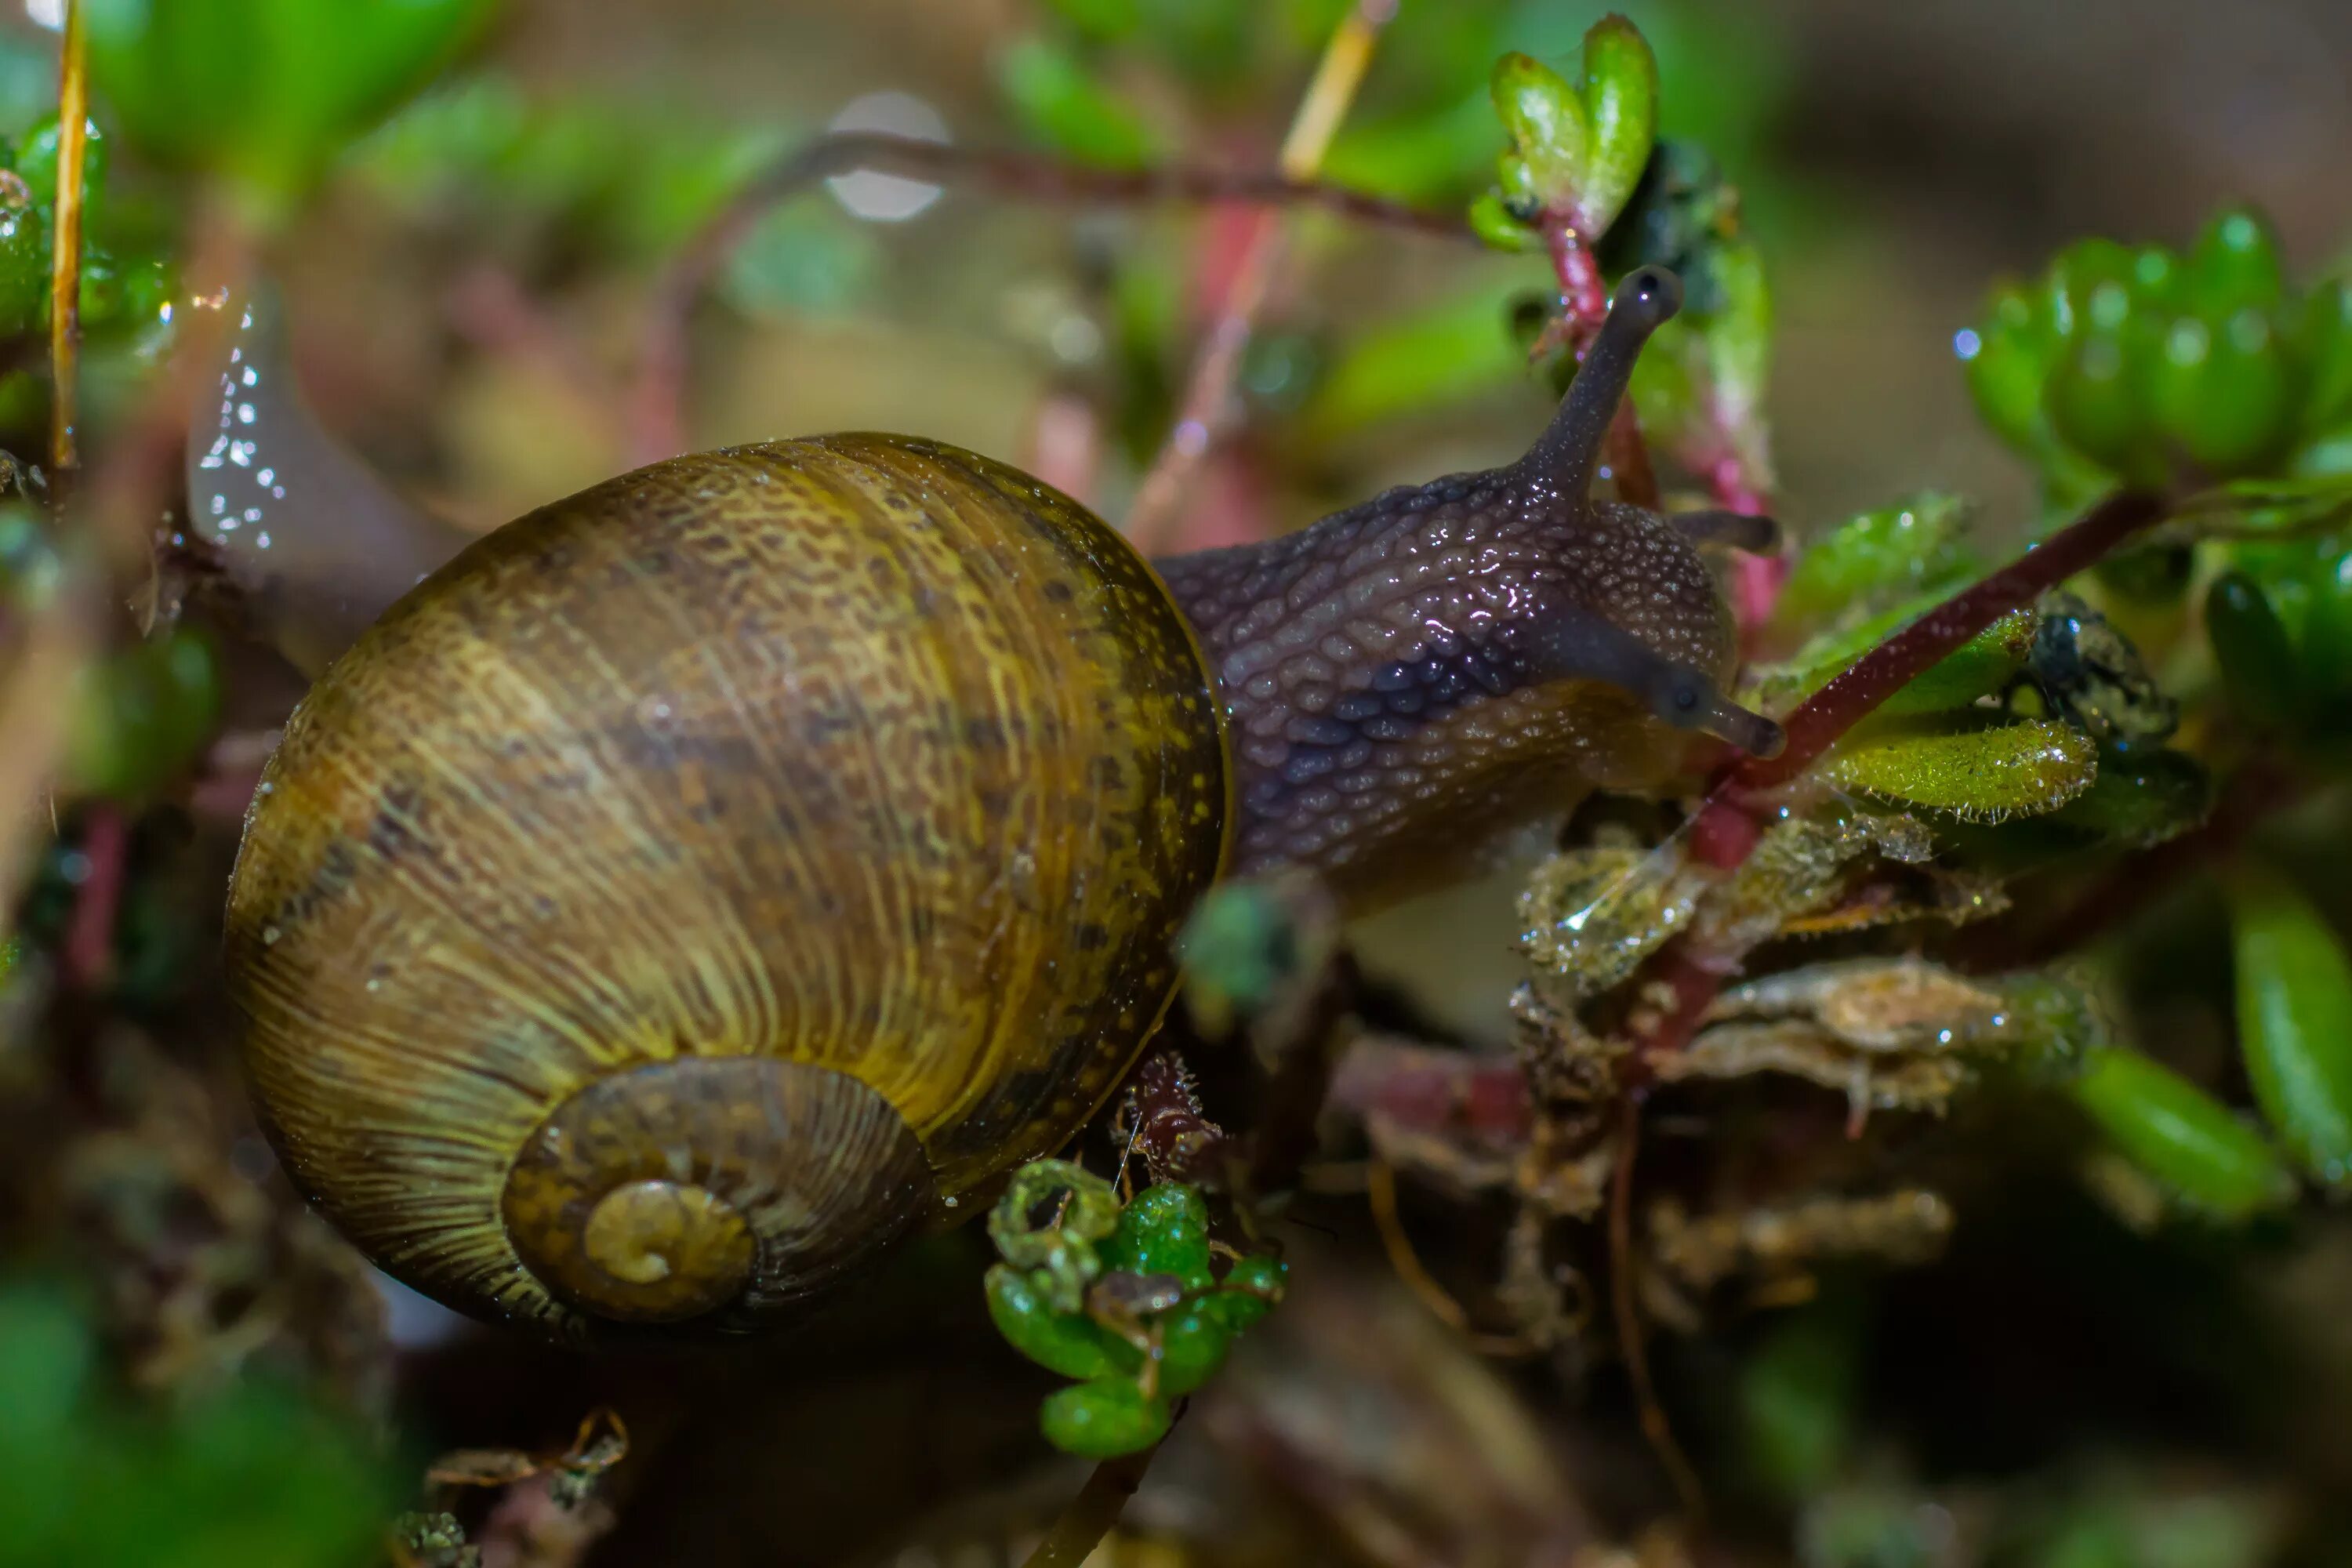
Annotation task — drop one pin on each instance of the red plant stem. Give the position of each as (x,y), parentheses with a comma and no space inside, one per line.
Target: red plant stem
(1425,1090)
(1885,670)
(1584,305)
(657,413)
(1724,831)
(1082,1526)
(1631,1343)
(89,932)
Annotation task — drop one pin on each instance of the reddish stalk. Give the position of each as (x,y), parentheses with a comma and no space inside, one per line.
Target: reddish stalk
(1725,828)
(656,401)
(1091,1514)
(89,947)
(1631,1343)
(1152,521)
(1885,670)
(1584,305)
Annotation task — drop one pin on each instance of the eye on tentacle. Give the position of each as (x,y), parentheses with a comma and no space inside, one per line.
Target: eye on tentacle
(1570,643)
(1569,451)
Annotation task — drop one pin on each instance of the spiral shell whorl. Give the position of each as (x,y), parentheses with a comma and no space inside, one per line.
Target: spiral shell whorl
(839,795)
(718,1188)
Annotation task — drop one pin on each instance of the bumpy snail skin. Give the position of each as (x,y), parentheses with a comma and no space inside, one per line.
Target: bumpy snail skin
(697,882)
(318,545)
(1408,678)
(700,880)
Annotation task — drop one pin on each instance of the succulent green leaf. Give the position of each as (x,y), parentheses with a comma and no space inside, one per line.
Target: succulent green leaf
(2184,1138)
(140,715)
(1797,1398)
(1164,1229)
(1550,152)
(1068,1342)
(1977,667)
(1415,157)
(1192,1345)
(1975,773)
(1895,554)
(24,271)
(2326,345)
(2009,365)
(36,162)
(2234,264)
(1424,360)
(2141,797)
(1492,221)
(2294,1020)
(1250,1290)
(1103,1418)
(1621,117)
(2251,645)
(2223,388)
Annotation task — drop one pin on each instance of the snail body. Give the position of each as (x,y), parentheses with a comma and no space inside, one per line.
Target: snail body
(700,882)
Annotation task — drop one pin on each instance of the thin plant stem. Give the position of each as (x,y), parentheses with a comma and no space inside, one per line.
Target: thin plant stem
(1380,1197)
(1153,521)
(1073,1537)
(1631,1343)
(1725,828)
(65,254)
(1857,691)
(656,401)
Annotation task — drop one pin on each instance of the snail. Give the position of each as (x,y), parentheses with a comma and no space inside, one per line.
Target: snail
(698,884)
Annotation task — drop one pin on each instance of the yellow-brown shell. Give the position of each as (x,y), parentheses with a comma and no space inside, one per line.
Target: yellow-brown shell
(702,880)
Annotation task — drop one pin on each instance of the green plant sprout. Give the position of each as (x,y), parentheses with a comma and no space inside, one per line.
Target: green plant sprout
(1124,1297)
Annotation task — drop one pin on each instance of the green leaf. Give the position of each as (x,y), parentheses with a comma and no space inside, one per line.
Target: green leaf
(1441,354)
(1907,550)
(24,271)
(2326,345)
(1544,117)
(2294,1020)
(45,1356)
(2141,797)
(266,93)
(1415,157)
(2009,367)
(2251,645)
(1620,110)
(1977,667)
(2223,386)
(1059,101)
(2234,264)
(36,162)
(1249,1290)
(1068,1342)
(2184,1138)
(1192,1345)
(1976,774)
(1164,1229)
(140,715)
(1796,1403)
(1103,1419)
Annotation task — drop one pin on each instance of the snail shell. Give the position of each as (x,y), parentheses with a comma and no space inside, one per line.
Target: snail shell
(700,881)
